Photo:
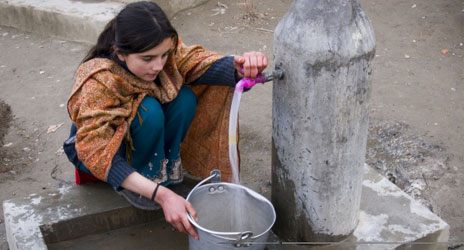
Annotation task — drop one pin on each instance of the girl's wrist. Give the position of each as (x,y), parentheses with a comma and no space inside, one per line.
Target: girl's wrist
(162,194)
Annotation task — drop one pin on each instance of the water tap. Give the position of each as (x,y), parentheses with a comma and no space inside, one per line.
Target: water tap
(271,75)
(260,78)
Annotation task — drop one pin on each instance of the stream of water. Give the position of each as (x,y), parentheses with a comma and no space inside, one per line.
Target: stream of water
(237,218)
(233,154)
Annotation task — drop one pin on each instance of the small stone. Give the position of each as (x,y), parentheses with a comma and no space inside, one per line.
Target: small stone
(436,124)
(53,128)
(8,145)
(414,41)
(62,105)
(453,89)
(3,66)
(407,56)
(460,44)
(413,6)
(5,34)
(60,151)
(41,72)
(26,149)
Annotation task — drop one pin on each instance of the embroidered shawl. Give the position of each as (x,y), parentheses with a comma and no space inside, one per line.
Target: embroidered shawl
(105,98)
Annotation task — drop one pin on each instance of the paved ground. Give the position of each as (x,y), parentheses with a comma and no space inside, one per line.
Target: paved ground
(417,101)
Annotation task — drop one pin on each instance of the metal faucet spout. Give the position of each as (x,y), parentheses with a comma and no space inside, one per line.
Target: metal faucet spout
(271,75)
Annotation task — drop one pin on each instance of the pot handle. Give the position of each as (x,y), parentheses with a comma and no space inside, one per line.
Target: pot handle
(214,176)
(244,240)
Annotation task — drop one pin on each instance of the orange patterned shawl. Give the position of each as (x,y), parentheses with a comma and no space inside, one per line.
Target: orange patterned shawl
(105,98)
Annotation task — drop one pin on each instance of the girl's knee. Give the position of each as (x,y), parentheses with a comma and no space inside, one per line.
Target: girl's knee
(150,114)
(188,98)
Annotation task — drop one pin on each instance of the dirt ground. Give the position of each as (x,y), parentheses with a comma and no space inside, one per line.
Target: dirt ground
(416,134)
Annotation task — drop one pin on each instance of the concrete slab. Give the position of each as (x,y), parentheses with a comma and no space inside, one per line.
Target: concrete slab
(390,215)
(389,219)
(39,220)
(72,20)
(66,19)
(75,215)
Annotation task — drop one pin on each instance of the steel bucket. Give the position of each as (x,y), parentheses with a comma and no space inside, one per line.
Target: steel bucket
(230,216)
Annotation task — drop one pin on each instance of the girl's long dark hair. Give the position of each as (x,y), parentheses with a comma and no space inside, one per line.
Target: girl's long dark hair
(139,27)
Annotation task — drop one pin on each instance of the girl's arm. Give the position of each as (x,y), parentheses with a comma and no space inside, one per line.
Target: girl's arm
(175,207)
(227,71)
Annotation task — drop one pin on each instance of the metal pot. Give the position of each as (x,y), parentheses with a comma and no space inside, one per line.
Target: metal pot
(229,216)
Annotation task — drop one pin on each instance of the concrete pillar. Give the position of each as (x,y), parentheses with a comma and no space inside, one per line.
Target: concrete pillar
(320,118)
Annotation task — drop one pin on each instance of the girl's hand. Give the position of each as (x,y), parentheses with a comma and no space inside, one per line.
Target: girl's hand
(252,63)
(175,210)
(175,207)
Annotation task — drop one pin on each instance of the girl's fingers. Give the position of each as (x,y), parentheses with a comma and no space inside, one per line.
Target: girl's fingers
(265,61)
(189,228)
(246,65)
(259,63)
(191,211)
(179,226)
(239,59)
(252,63)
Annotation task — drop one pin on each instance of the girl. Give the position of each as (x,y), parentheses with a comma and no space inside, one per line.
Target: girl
(135,96)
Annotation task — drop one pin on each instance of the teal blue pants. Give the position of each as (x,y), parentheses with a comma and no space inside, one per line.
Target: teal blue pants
(158,137)
(157,132)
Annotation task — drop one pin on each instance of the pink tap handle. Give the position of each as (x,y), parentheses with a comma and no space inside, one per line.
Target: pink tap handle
(248,82)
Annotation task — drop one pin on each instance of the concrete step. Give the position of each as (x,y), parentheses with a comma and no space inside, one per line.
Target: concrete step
(65,19)
(58,217)
(72,215)
(72,20)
